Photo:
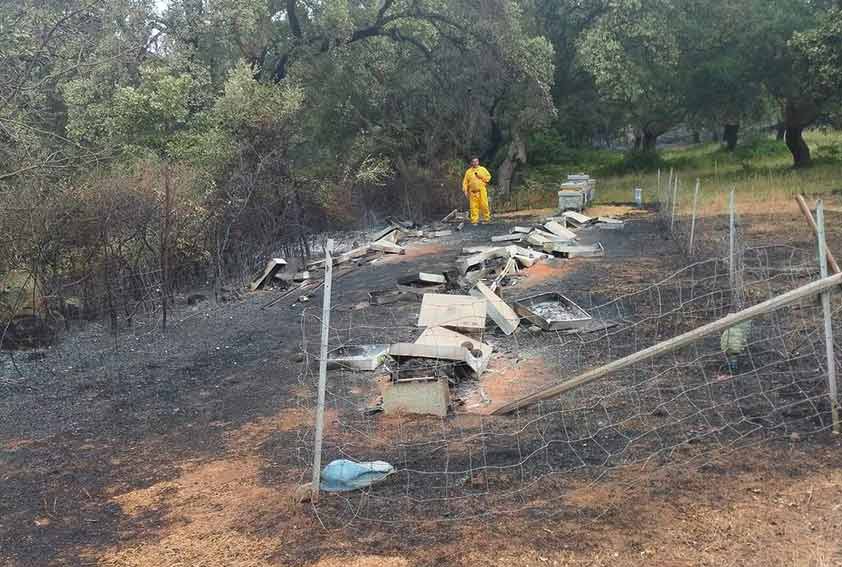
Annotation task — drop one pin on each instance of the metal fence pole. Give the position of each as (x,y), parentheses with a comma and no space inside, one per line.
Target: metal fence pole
(732,264)
(674,203)
(659,185)
(320,408)
(695,210)
(828,321)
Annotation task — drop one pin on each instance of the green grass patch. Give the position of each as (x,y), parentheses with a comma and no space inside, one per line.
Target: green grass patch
(761,167)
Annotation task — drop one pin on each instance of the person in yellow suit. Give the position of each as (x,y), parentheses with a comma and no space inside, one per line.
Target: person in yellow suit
(475,186)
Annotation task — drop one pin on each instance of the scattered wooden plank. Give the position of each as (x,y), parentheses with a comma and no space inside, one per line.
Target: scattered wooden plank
(578,219)
(386,232)
(453,311)
(576,251)
(558,230)
(503,315)
(464,264)
(432,278)
(272,267)
(387,247)
(537,239)
(507,238)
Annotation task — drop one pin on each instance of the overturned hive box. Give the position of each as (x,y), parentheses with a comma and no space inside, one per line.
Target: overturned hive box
(552,312)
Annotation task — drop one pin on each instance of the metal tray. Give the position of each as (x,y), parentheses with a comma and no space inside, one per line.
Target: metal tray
(552,312)
(365,357)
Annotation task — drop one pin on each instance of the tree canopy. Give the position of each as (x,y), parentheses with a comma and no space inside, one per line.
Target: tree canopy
(265,121)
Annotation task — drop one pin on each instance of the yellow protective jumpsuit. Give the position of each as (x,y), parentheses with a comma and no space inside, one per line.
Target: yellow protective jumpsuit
(475,187)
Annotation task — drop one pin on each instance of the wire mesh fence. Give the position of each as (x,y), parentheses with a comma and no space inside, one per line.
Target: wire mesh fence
(759,383)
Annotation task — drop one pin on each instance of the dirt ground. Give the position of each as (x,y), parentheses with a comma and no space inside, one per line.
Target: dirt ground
(189,448)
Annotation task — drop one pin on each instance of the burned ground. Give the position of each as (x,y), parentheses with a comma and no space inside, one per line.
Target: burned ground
(153,450)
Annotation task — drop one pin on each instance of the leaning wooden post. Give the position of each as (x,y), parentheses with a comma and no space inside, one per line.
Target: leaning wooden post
(811,289)
(320,407)
(693,222)
(805,210)
(828,321)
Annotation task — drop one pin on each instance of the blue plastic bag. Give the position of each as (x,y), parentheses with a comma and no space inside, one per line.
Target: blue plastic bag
(346,476)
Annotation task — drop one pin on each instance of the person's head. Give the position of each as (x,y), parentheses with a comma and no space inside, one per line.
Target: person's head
(475,162)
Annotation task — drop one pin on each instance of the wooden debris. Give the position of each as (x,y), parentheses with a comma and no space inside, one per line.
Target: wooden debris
(442,337)
(387,247)
(507,238)
(418,396)
(576,251)
(386,233)
(454,311)
(450,216)
(560,231)
(432,278)
(272,267)
(498,310)
(464,264)
(578,219)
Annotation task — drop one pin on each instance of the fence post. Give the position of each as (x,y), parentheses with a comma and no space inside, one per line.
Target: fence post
(732,245)
(674,203)
(695,210)
(320,407)
(828,321)
(659,186)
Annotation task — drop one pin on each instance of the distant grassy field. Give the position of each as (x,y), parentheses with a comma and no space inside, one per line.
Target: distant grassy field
(760,170)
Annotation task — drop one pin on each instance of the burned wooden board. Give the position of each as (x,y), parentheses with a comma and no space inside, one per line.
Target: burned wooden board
(575,251)
(465,264)
(454,311)
(274,266)
(578,219)
(387,247)
(507,238)
(503,315)
(558,230)
(417,396)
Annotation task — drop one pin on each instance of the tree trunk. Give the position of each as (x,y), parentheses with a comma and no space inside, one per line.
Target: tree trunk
(650,142)
(798,113)
(731,135)
(516,155)
(781,132)
(797,146)
(715,135)
(697,137)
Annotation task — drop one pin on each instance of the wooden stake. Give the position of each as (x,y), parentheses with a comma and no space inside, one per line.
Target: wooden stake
(810,290)
(828,322)
(693,222)
(320,407)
